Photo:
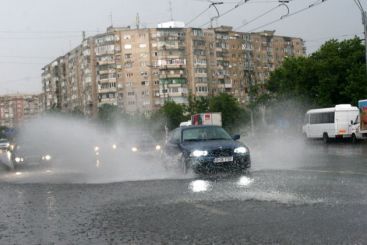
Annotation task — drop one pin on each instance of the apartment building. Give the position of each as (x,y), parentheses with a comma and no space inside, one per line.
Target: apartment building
(269,52)
(15,109)
(139,69)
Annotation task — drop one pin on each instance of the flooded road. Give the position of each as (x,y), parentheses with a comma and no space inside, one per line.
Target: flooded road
(296,193)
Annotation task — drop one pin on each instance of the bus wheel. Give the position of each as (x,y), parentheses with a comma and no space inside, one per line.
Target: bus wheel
(354,139)
(325,138)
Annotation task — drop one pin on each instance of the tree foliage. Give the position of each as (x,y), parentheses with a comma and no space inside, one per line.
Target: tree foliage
(233,115)
(334,74)
(173,114)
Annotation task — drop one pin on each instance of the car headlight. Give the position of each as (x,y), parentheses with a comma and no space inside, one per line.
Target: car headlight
(47,157)
(96,148)
(134,149)
(17,159)
(241,150)
(157,147)
(198,153)
(114,146)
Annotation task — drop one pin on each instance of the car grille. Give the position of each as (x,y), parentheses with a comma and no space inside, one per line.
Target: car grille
(222,152)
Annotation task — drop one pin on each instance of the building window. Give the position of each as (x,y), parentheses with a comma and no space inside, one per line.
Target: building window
(127,46)
(142,45)
(130,93)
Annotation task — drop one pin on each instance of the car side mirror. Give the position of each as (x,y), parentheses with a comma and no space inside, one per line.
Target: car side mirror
(351,122)
(236,137)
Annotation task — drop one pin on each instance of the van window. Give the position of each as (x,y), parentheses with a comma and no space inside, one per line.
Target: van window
(320,118)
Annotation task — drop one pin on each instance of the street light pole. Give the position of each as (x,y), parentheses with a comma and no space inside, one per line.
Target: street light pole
(364,22)
(364,19)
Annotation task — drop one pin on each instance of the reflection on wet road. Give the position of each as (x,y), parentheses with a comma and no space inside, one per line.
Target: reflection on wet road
(295,194)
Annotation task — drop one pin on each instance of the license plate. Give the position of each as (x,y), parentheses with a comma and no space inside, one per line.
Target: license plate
(223,159)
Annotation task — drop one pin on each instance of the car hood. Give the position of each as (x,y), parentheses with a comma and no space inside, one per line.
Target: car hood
(210,145)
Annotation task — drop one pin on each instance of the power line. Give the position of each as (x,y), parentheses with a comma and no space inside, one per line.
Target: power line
(359,5)
(22,79)
(20,63)
(238,4)
(25,57)
(331,37)
(258,17)
(37,38)
(316,3)
(45,31)
(196,17)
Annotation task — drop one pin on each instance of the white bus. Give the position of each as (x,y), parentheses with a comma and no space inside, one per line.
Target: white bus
(334,122)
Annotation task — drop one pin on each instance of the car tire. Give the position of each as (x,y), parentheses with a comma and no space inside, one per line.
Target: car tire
(325,138)
(354,139)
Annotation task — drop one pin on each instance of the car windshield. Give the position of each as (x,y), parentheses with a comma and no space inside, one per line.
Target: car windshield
(205,133)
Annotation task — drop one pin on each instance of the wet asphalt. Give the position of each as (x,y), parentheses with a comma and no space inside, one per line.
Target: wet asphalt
(295,193)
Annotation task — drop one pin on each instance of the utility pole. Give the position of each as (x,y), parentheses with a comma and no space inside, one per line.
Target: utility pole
(364,18)
(364,22)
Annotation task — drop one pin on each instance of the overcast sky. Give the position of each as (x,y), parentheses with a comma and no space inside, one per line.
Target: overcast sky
(34,32)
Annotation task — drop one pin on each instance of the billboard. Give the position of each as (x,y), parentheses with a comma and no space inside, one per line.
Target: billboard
(362,105)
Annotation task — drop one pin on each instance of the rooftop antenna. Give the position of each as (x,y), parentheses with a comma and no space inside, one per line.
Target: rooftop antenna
(111,21)
(137,21)
(170,9)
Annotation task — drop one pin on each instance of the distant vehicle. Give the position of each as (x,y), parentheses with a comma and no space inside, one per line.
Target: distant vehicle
(331,123)
(361,121)
(207,148)
(4,144)
(209,118)
(5,154)
(28,155)
(144,144)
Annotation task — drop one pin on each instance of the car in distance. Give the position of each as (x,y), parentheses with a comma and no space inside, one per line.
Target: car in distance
(29,155)
(207,149)
(4,144)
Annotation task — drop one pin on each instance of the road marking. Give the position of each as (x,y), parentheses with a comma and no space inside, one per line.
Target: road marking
(210,209)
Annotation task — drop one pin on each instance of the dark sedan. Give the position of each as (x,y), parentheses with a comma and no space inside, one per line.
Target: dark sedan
(207,149)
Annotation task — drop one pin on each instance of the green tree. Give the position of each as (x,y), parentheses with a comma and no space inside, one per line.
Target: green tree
(197,104)
(332,75)
(172,113)
(233,115)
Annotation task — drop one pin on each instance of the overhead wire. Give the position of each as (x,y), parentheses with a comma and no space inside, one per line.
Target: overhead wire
(359,5)
(316,3)
(333,37)
(258,17)
(239,4)
(196,17)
